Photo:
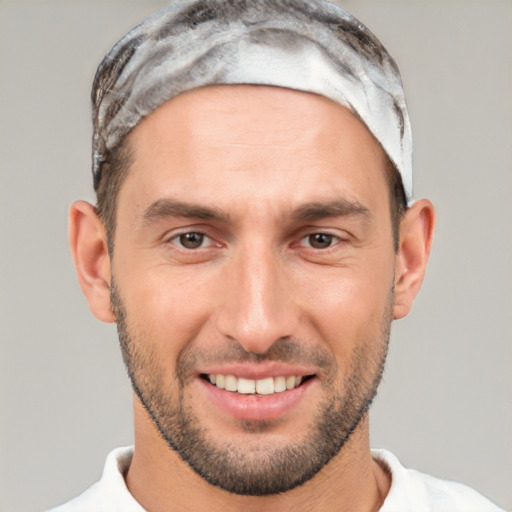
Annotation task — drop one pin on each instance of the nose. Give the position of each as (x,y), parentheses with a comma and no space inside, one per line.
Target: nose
(257,306)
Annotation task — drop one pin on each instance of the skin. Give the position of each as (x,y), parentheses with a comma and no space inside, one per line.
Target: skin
(258,155)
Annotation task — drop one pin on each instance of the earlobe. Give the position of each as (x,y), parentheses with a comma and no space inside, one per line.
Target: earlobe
(416,234)
(92,262)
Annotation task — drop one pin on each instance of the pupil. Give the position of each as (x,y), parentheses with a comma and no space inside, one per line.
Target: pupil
(320,240)
(191,240)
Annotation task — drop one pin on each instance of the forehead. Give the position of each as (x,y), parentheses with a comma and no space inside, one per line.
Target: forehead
(220,144)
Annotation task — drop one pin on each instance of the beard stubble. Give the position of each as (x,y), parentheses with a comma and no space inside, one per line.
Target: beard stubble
(263,467)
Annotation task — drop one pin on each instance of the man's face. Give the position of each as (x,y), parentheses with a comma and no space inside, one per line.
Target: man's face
(254,249)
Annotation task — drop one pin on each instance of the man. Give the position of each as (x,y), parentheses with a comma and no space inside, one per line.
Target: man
(254,237)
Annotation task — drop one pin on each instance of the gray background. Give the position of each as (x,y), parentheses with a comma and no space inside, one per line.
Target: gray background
(445,403)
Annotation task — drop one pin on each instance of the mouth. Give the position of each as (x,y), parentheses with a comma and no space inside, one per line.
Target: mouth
(258,387)
(264,397)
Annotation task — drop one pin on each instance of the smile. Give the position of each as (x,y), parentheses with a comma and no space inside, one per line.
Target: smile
(265,386)
(268,390)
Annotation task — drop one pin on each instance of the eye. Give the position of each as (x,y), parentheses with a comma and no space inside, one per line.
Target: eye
(320,240)
(191,240)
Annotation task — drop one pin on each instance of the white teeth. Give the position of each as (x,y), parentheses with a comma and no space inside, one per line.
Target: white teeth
(220,381)
(279,384)
(230,383)
(246,386)
(290,382)
(265,386)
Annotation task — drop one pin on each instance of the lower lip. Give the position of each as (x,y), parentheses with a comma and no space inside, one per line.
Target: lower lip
(256,407)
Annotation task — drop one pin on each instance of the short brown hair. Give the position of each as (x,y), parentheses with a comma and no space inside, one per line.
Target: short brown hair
(115,170)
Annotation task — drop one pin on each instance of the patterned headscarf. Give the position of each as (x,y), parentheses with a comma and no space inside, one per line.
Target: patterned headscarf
(306,45)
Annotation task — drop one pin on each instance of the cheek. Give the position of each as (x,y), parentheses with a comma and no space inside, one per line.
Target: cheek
(349,305)
(171,308)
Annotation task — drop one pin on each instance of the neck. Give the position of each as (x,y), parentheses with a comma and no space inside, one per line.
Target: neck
(157,476)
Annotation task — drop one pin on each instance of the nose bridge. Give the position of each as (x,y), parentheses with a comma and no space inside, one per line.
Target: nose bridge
(256,310)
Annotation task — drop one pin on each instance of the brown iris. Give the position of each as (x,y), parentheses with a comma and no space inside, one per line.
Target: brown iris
(191,240)
(320,240)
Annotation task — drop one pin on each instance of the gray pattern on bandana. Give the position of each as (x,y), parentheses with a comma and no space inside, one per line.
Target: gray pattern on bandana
(308,46)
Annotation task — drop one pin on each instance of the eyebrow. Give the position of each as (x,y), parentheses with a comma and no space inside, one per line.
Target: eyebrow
(337,208)
(163,208)
(313,211)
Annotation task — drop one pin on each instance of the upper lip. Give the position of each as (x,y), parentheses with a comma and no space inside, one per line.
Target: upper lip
(257,371)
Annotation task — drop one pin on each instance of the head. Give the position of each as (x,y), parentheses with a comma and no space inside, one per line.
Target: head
(253,242)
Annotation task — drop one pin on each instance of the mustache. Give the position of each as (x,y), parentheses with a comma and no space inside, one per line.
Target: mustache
(284,350)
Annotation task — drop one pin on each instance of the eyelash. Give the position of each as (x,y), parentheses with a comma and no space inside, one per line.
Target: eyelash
(332,240)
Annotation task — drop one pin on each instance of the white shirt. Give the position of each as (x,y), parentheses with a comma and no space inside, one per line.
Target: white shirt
(411,491)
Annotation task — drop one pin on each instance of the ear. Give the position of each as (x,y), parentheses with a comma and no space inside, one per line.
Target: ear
(88,242)
(416,233)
